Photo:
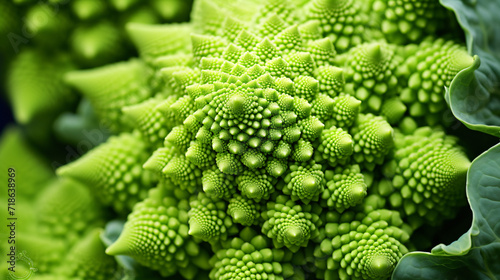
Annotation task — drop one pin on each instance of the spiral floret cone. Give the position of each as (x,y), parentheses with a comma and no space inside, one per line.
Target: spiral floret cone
(156,234)
(114,171)
(290,224)
(429,175)
(88,260)
(364,246)
(251,256)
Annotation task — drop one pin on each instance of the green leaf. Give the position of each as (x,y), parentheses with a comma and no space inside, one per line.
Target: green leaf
(474,94)
(476,254)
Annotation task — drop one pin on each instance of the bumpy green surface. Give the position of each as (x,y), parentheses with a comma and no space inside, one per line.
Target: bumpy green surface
(409,21)
(270,125)
(164,218)
(35,86)
(114,171)
(345,187)
(373,139)
(290,224)
(248,256)
(281,138)
(370,74)
(87,259)
(363,246)
(45,39)
(208,219)
(431,68)
(30,168)
(66,209)
(243,210)
(425,164)
(111,88)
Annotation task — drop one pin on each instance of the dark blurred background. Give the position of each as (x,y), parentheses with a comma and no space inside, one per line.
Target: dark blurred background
(5,112)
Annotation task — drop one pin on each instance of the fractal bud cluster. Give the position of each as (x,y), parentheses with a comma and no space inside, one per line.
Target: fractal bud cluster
(270,140)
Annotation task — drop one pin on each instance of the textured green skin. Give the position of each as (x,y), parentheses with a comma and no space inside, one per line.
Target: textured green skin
(66,209)
(248,256)
(114,171)
(32,170)
(414,176)
(93,39)
(111,88)
(244,211)
(164,216)
(363,246)
(87,259)
(423,94)
(260,120)
(62,36)
(208,219)
(291,224)
(370,75)
(345,187)
(35,86)
(410,21)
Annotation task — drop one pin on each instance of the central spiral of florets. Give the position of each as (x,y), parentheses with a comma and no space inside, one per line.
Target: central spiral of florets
(246,126)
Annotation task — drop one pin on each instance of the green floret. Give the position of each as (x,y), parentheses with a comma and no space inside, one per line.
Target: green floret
(113,170)
(410,21)
(180,137)
(183,173)
(35,85)
(336,146)
(304,182)
(87,259)
(321,50)
(290,224)
(342,21)
(244,211)
(112,87)
(250,256)
(208,220)
(345,187)
(373,139)
(394,110)
(217,184)
(159,159)
(65,209)
(370,75)
(306,87)
(148,118)
(270,8)
(428,71)
(340,111)
(258,185)
(428,173)
(310,30)
(363,246)
(180,78)
(331,80)
(156,235)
